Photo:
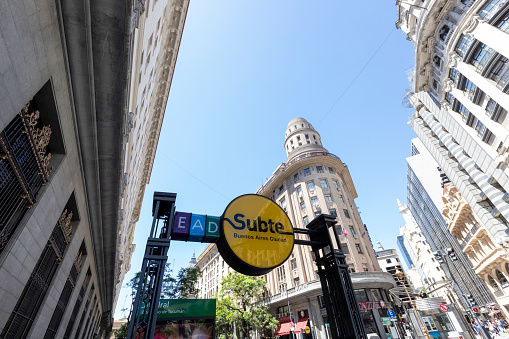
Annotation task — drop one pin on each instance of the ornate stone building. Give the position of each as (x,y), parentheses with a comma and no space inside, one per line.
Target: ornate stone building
(73,160)
(460,87)
(311,182)
(489,259)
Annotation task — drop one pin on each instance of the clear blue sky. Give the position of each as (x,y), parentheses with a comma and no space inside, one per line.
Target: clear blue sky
(245,69)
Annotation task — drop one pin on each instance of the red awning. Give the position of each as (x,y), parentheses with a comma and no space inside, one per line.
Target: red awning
(302,323)
(283,328)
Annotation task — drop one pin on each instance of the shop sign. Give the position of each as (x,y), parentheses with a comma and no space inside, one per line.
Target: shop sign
(257,235)
(369,305)
(185,308)
(195,227)
(386,320)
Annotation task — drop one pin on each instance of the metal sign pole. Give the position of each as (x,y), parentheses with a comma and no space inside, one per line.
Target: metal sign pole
(144,310)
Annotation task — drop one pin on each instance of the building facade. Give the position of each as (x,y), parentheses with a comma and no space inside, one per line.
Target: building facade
(424,194)
(429,276)
(488,258)
(312,182)
(68,155)
(389,262)
(460,87)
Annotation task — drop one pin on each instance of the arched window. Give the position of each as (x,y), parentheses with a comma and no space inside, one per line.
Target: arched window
(493,283)
(501,278)
(443,32)
(437,61)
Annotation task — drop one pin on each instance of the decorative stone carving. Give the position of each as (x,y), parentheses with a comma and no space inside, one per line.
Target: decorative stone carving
(452,60)
(78,262)
(41,137)
(472,24)
(448,85)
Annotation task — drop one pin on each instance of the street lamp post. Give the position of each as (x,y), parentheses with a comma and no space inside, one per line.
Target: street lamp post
(292,331)
(400,275)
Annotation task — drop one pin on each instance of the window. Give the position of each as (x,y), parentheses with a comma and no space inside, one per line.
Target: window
(311,186)
(333,212)
(328,198)
(500,73)
(442,34)
(481,57)
(296,281)
(305,220)
(480,128)
(323,183)
(501,278)
(319,169)
(463,44)
(358,247)
(331,170)
(503,25)
(298,138)
(346,214)
(299,191)
(283,204)
(296,177)
(307,136)
(449,98)
(487,11)
(314,201)
(281,188)
(352,231)
(341,198)
(469,89)
(303,205)
(463,111)
(490,108)
(307,171)
(336,184)
(454,75)
(293,263)
(388,261)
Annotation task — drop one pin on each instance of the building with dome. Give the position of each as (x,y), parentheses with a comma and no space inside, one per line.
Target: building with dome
(311,182)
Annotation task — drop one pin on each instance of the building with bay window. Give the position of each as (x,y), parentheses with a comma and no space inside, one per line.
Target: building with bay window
(73,158)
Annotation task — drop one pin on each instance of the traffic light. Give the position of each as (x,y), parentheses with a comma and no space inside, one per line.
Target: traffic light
(451,254)
(470,299)
(439,257)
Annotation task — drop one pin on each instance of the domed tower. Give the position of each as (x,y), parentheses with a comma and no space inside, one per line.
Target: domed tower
(300,137)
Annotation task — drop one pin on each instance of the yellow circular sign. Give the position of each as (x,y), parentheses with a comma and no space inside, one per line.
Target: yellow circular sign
(257,235)
(307,329)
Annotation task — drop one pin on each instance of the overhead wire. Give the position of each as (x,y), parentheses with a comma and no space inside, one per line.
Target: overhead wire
(358,74)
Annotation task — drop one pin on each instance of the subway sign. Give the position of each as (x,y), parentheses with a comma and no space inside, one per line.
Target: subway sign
(254,235)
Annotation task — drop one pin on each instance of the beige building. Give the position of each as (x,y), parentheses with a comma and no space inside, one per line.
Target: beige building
(489,260)
(77,143)
(311,182)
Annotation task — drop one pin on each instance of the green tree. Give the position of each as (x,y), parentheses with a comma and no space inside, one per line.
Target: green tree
(121,332)
(180,288)
(238,304)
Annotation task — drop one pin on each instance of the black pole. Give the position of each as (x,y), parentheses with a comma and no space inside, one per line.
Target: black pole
(144,310)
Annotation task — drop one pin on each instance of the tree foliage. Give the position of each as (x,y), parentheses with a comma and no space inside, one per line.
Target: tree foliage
(121,332)
(173,288)
(238,305)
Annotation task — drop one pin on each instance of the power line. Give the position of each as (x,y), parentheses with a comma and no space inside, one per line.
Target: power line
(358,74)
(194,176)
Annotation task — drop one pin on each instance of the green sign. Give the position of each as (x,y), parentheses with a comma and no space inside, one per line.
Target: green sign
(386,320)
(327,325)
(186,308)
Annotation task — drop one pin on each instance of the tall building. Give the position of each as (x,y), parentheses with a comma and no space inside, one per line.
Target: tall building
(424,194)
(428,274)
(389,262)
(460,87)
(313,181)
(69,158)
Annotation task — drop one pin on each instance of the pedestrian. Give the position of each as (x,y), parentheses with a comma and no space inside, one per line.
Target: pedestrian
(474,326)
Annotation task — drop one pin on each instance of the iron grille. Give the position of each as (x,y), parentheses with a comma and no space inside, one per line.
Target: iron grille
(23,315)
(21,170)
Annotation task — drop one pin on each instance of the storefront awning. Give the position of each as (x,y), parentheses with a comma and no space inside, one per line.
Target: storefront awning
(284,328)
(301,324)
(493,312)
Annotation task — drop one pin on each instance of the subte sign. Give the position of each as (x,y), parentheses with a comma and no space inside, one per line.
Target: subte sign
(257,235)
